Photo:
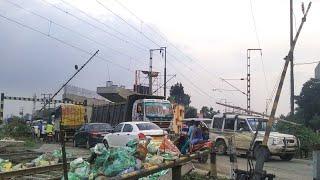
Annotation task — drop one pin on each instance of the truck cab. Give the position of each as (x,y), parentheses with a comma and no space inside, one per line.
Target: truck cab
(158,111)
(242,129)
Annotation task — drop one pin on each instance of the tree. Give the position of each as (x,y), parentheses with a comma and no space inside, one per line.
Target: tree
(309,102)
(208,112)
(177,95)
(190,112)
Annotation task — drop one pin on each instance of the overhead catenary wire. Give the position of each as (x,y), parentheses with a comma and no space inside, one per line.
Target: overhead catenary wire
(61,41)
(90,24)
(171,44)
(69,29)
(84,51)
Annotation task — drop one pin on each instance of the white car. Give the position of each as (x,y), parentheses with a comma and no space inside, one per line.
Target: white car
(127,131)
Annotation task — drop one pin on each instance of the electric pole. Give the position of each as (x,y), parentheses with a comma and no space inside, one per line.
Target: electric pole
(150,73)
(291,62)
(161,49)
(263,148)
(249,78)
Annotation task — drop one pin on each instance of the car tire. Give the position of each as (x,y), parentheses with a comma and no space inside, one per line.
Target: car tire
(286,157)
(255,152)
(74,143)
(221,147)
(106,144)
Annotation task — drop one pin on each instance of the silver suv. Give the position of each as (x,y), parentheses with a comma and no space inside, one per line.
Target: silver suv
(243,128)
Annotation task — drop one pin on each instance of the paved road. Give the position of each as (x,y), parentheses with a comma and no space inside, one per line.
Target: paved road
(284,170)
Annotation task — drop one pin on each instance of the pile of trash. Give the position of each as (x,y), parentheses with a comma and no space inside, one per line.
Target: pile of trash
(137,155)
(45,159)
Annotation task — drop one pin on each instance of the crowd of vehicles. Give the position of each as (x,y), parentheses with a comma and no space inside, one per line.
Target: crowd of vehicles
(117,124)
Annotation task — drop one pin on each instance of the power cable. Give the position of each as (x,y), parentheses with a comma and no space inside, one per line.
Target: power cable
(106,25)
(314,62)
(166,39)
(90,24)
(61,41)
(69,29)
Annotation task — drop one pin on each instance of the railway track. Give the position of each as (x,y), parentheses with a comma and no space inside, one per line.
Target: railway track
(20,156)
(51,172)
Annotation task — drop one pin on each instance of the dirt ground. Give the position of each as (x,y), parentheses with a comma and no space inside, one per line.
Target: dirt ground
(295,169)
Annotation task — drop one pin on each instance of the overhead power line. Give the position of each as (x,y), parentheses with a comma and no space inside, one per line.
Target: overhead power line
(313,62)
(61,41)
(69,29)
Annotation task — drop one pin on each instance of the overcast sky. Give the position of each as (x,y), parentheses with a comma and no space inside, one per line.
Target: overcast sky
(37,55)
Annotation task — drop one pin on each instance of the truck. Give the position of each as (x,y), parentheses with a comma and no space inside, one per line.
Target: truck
(136,107)
(70,118)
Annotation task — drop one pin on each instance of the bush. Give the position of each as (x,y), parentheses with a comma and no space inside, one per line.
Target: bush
(307,136)
(16,129)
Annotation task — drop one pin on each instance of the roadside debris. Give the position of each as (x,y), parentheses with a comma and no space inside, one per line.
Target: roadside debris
(137,155)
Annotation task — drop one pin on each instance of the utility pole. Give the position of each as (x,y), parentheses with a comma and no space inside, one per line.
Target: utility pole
(161,49)
(249,78)
(150,73)
(263,148)
(165,72)
(291,62)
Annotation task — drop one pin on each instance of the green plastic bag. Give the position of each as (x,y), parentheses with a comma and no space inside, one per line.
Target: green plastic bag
(80,168)
(120,159)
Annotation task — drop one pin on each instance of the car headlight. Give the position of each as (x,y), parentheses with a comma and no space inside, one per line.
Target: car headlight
(276,141)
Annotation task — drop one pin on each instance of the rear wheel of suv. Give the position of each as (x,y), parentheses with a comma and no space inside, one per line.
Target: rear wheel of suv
(286,157)
(221,147)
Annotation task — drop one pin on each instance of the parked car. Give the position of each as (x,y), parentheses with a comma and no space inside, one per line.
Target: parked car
(90,134)
(243,128)
(127,131)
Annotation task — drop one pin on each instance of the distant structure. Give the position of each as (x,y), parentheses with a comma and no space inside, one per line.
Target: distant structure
(317,72)
(114,92)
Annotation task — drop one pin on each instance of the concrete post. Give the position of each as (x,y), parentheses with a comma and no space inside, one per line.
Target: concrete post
(1,107)
(176,172)
(213,166)
(316,162)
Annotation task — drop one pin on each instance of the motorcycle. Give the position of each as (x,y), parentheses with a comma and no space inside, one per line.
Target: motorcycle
(185,146)
(49,137)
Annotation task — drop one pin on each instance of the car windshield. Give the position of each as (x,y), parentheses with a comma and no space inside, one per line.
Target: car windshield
(147,126)
(100,127)
(254,124)
(158,109)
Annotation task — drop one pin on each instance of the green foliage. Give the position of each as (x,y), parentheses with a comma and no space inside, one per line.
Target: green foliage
(190,112)
(306,135)
(17,129)
(177,95)
(208,112)
(309,103)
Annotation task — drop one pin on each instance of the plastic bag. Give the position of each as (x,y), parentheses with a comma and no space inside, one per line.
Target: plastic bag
(141,151)
(5,165)
(168,147)
(152,148)
(120,159)
(155,160)
(80,168)
(98,149)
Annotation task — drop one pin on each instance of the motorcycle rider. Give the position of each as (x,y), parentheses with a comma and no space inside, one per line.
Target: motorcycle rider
(49,131)
(196,135)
